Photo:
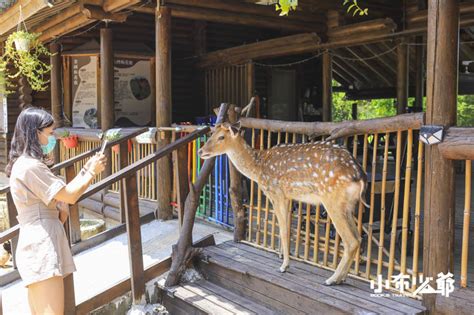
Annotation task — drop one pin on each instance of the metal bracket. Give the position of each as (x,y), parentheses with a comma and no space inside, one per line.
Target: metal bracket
(431,134)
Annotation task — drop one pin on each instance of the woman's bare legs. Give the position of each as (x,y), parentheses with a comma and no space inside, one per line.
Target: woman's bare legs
(47,297)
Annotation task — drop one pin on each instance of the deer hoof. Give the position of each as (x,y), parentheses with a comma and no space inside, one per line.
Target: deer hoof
(332,281)
(283,268)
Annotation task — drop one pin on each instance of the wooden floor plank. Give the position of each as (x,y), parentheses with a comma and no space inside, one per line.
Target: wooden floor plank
(354,283)
(239,283)
(235,298)
(362,291)
(310,296)
(223,302)
(195,299)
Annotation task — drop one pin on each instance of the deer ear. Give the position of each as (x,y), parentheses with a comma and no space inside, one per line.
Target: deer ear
(234,129)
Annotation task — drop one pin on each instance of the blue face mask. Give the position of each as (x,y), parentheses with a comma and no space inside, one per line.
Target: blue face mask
(50,146)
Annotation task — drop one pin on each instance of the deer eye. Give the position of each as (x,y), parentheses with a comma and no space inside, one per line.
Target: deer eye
(220,138)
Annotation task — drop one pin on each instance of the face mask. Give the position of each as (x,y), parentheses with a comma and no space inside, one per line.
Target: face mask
(50,146)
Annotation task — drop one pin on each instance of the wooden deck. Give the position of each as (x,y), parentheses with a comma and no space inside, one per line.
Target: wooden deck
(241,279)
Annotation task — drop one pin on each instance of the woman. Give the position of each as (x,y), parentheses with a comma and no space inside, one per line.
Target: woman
(43,255)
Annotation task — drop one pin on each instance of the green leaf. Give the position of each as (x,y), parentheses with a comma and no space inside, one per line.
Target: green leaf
(350,7)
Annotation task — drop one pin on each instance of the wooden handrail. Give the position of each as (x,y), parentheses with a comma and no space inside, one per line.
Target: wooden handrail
(133,168)
(87,154)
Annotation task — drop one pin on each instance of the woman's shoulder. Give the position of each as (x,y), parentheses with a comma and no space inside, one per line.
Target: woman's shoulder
(25,163)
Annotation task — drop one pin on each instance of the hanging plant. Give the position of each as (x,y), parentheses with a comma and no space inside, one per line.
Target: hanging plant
(355,6)
(23,50)
(285,6)
(5,85)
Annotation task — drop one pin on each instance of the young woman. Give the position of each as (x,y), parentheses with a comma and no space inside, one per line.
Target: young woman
(43,255)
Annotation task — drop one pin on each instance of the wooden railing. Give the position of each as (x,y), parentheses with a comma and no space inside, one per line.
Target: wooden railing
(128,175)
(459,145)
(390,228)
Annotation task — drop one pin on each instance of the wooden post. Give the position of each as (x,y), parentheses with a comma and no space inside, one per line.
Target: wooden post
(251,81)
(123,162)
(180,164)
(327,86)
(419,71)
(236,189)
(354,111)
(107,119)
(402,77)
(163,107)
(198,74)
(56,89)
(441,87)
(73,220)
(67,102)
(137,275)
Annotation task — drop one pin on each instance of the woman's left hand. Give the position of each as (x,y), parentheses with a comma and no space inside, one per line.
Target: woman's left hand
(63,209)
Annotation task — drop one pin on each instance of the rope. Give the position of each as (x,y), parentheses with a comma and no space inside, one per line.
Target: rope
(20,20)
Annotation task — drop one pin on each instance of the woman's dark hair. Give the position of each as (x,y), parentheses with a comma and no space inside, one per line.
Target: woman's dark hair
(25,138)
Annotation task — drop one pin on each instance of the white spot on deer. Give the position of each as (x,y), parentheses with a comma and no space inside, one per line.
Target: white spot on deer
(315,174)
(331,174)
(326,179)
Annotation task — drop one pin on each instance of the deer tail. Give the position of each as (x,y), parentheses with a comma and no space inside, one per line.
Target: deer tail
(363,187)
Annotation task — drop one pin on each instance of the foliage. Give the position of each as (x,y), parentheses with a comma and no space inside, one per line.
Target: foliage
(113,135)
(64,134)
(27,63)
(285,6)
(356,7)
(465,117)
(366,109)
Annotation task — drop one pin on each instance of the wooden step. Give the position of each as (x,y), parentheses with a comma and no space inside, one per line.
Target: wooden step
(252,272)
(205,297)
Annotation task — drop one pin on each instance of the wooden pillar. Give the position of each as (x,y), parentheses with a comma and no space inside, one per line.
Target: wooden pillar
(419,72)
(327,86)
(163,107)
(441,88)
(200,48)
(56,89)
(106,79)
(107,117)
(402,77)
(67,101)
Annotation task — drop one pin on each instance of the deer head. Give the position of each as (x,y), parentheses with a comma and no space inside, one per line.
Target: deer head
(224,137)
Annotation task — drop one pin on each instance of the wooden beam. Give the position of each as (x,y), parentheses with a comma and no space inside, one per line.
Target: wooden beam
(360,58)
(327,86)
(349,70)
(117,5)
(211,15)
(9,18)
(441,87)
(419,72)
(338,129)
(283,46)
(75,22)
(402,77)
(97,13)
(163,107)
(458,144)
(385,25)
(382,59)
(58,19)
(244,8)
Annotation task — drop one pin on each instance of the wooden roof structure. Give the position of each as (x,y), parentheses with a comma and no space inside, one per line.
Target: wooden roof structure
(364,48)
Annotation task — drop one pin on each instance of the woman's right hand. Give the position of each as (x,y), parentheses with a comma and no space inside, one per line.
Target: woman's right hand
(97,163)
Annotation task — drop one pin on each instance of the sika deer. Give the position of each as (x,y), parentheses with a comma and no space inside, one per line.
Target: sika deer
(315,173)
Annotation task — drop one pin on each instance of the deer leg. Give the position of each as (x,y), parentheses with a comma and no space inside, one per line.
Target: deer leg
(345,226)
(280,210)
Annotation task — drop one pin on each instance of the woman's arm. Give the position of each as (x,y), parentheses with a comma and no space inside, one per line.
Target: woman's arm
(74,190)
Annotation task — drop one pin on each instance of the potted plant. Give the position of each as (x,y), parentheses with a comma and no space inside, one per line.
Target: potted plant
(69,141)
(23,51)
(115,135)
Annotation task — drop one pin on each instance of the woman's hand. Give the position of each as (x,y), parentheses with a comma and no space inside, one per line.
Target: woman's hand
(63,209)
(97,163)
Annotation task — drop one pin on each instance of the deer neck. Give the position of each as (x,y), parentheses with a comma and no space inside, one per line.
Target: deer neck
(245,159)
